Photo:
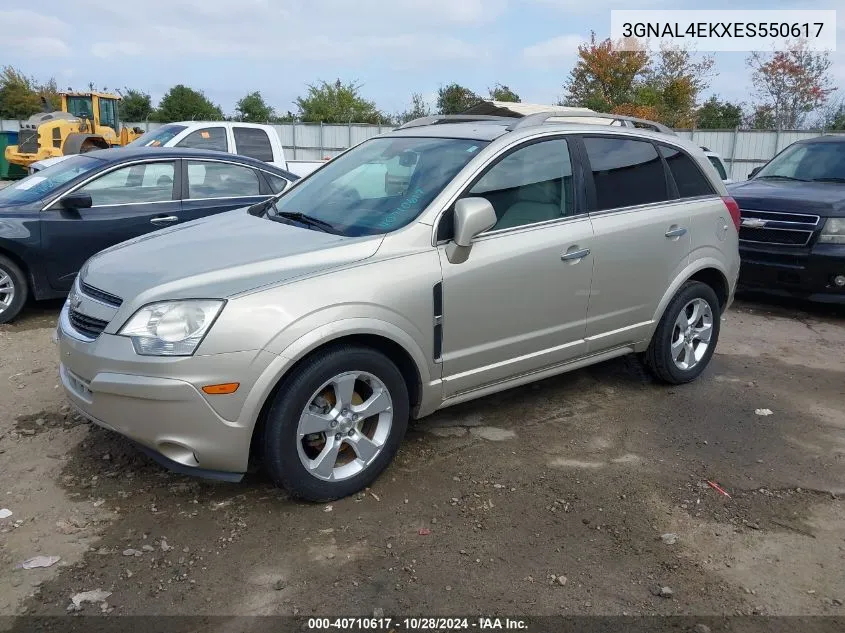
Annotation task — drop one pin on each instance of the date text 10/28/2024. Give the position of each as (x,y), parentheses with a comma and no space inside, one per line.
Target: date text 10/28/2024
(416,624)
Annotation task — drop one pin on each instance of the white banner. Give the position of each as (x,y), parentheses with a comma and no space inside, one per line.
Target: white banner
(723,30)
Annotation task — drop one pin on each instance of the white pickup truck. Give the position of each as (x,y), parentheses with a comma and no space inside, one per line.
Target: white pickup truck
(261,142)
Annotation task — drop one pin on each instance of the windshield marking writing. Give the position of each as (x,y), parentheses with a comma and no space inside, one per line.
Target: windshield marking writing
(391,218)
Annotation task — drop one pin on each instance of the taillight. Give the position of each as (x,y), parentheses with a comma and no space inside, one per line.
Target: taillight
(733,209)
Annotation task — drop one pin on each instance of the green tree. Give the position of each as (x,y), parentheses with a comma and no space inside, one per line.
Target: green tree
(252,108)
(762,117)
(419,108)
(605,77)
(337,102)
(675,80)
(719,115)
(500,92)
(135,106)
(455,99)
(185,104)
(18,95)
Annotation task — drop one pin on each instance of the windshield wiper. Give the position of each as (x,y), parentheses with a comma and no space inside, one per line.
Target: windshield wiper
(831,179)
(778,177)
(296,216)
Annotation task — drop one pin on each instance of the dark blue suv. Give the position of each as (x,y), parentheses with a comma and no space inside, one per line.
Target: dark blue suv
(792,236)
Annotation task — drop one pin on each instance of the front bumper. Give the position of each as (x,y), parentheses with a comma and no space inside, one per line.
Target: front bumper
(158,403)
(800,272)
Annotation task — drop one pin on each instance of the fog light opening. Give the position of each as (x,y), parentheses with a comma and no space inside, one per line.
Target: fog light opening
(839,281)
(178,453)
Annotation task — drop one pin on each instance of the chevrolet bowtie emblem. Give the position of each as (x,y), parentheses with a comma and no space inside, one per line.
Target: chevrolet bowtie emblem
(754,223)
(74,300)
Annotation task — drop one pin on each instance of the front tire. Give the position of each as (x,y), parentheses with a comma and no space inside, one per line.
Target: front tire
(13,289)
(335,423)
(686,336)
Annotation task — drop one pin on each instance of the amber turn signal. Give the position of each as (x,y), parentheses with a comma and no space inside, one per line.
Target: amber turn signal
(219,390)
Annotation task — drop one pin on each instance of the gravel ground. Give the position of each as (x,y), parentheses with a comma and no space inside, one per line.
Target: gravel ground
(583,494)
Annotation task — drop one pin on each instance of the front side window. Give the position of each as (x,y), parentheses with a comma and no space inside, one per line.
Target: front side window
(821,162)
(688,177)
(206,138)
(626,172)
(253,142)
(134,184)
(221,180)
(380,185)
(46,181)
(158,137)
(532,184)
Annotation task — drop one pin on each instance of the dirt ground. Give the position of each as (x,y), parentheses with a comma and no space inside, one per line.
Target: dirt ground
(488,505)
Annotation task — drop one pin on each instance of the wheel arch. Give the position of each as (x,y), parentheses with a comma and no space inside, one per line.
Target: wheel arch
(406,356)
(709,271)
(21,263)
(74,142)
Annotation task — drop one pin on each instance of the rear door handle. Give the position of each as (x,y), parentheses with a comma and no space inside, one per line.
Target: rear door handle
(575,256)
(678,231)
(164,219)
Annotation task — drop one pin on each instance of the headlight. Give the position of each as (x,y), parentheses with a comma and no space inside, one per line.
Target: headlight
(833,232)
(171,328)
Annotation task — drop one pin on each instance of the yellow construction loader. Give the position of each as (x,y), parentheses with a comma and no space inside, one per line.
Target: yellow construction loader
(87,121)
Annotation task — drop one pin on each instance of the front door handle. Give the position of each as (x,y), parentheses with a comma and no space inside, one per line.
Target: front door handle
(678,231)
(164,219)
(576,255)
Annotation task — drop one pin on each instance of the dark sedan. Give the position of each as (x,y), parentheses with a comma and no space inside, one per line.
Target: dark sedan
(51,222)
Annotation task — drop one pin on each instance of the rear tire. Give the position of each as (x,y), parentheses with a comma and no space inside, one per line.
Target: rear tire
(312,446)
(686,336)
(14,289)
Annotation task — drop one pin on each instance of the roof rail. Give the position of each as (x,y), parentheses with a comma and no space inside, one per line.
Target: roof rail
(451,118)
(627,121)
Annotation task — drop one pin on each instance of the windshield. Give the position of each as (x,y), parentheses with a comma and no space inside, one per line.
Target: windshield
(158,136)
(44,182)
(808,161)
(381,185)
(81,107)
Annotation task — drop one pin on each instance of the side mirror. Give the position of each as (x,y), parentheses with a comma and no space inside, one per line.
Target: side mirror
(754,172)
(77,200)
(472,217)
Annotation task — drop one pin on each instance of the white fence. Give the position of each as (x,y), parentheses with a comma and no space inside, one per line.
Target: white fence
(742,150)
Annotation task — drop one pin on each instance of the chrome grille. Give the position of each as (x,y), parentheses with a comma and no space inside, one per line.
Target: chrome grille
(101,295)
(86,325)
(775,227)
(28,141)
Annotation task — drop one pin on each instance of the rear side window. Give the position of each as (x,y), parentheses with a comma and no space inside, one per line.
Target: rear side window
(253,142)
(206,138)
(688,177)
(625,172)
(720,168)
(277,183)
(221,180)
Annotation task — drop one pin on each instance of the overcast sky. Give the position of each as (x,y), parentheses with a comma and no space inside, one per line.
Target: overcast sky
(392,47)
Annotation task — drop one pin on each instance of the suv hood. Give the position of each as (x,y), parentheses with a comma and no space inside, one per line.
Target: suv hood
(220,256)
(820,198)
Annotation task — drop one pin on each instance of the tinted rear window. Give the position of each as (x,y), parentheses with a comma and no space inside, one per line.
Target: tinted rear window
(625,172)
(688,177)
(253,142)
